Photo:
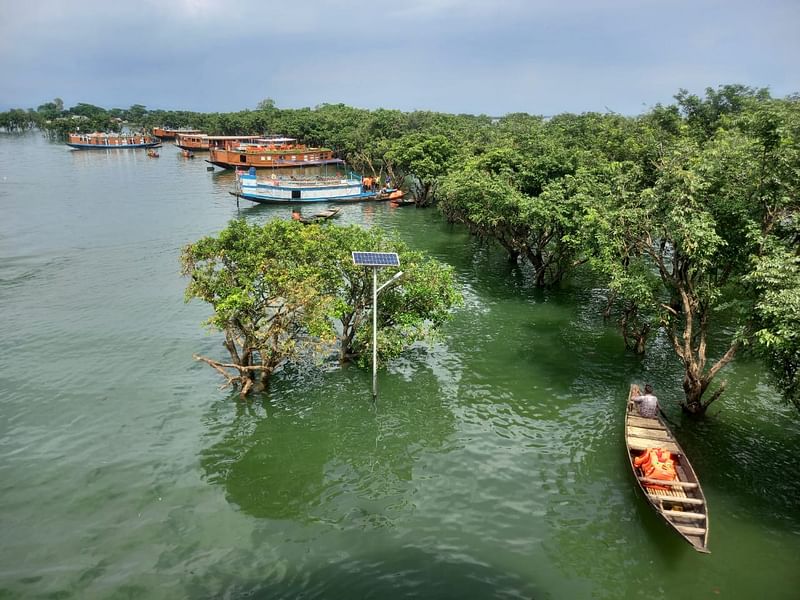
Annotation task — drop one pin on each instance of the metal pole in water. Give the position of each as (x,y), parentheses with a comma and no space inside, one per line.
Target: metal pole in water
(374,333)
(376,260)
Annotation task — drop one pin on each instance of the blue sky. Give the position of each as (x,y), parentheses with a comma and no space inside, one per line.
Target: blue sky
(460,56)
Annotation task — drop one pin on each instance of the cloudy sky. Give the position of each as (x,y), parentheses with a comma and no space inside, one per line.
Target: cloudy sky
(460,56)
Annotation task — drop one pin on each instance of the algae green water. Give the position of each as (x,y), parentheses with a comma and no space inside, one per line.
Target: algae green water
(492,465)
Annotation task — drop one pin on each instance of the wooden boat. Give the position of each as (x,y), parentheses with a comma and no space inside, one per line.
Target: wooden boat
(271,152)
(300,190)
(152,153)
(392,194)
(680,502)
(187,154)
(202,142)
(105,141)
(167,133)
(324,215)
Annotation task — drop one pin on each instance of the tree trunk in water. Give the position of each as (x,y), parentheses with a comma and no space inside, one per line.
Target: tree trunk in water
(609,305)
(693,389)
(346,342)
(635,337)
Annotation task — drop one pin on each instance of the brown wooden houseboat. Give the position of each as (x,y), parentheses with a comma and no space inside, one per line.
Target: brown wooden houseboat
(201,141)
(270,153)
(104,141)
(166,133)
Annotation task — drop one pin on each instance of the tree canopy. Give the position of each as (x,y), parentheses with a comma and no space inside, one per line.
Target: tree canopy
(287,292)
(686,214)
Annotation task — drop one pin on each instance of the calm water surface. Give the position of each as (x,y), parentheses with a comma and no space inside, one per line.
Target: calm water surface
(492,467)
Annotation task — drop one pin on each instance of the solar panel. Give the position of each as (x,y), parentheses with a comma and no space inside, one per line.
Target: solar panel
(376,259)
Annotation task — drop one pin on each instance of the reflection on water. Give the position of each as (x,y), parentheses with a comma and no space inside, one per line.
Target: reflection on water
(347,464)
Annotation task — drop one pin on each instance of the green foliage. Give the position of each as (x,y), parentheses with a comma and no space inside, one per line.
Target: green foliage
(283,292)
(776,332)
(264,293)
(704,115)
(422,158)
(689,212)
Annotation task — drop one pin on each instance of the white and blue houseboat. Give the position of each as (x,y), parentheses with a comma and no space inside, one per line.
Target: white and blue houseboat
(300,190)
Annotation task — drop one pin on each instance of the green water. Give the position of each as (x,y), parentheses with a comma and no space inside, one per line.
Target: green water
(492,466)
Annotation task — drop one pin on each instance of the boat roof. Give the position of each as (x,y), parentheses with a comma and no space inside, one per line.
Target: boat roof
(233,137)
(111,134)
(276,139)
(218,137)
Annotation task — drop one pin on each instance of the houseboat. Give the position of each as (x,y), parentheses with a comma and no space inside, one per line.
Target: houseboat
(201,141)
(104,141)
(269,153)
(165,133)
(300,190)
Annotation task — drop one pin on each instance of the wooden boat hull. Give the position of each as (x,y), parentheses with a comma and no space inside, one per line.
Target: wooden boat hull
(319,217)
(403,202)
(394,195)
(276,164)
(265,199)
(682,505)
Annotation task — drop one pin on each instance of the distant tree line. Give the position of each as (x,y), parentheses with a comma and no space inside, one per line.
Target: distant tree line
(688,214)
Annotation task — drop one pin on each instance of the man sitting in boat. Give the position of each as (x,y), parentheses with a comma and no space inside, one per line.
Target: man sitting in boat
(647,403)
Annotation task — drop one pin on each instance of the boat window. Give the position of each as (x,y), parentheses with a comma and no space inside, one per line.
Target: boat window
(295,194)
(242,158)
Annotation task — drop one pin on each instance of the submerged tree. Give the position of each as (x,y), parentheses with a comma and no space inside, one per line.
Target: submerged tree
(265,298)
(717,215)
(421,160)
(284,292)
(409,311)
(544,230)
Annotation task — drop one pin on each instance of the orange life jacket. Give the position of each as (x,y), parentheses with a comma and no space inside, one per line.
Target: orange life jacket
(656,463)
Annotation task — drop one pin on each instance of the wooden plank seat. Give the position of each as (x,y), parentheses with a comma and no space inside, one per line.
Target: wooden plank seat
(661,496)
(645,422)
(674,483)
(690,530)
(680,514)
(655,434)
(639,443)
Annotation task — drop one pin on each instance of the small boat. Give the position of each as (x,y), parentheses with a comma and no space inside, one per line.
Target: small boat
(677,498)
(400,202)
(106,141)
(152,153)
(392,194)
(300,190)
(187,154)
(324,215)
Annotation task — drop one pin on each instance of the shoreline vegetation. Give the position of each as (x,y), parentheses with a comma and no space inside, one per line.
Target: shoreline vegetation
(688,213)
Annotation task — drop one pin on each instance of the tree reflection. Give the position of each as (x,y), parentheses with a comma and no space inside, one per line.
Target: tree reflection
(315,451)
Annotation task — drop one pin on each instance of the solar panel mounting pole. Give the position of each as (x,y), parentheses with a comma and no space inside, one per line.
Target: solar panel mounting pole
(377,260)
(374,333)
